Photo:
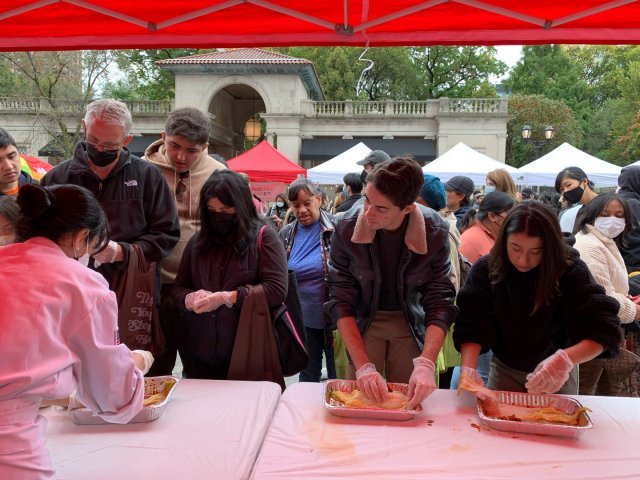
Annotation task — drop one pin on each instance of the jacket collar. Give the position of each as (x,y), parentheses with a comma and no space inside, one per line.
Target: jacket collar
(415,237)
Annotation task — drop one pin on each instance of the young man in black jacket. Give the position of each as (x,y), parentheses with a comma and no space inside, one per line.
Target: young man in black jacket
(390,293)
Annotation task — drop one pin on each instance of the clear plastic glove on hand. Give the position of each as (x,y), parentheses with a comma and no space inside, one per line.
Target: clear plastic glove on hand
(108,254)
(143,360)
(371,383)
(422,382)
(212,302)
(550,374)
(190,298)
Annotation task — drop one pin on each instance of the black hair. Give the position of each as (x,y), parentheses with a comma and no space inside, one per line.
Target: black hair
(9,209)
(468,219)
(189,123)
(400,180)
(588,213)
(233,191)
(576,173)
(6,139)
(495,202)
(353,181)
(302,184)
(284,199)
(53,212)
(534,219)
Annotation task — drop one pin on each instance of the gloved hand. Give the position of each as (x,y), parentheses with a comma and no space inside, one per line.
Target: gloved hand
(550,374)
(422,382)
(108,254)
(190,298)
(212,302)
(372,383)
(143,360)
(469,377)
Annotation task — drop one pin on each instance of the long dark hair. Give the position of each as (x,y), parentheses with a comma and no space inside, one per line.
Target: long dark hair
(592,210)
(233,191)
(575,173)
(53,212)
(536,220)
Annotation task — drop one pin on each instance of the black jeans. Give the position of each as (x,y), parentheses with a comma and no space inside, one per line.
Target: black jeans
(316,346)
(170,322)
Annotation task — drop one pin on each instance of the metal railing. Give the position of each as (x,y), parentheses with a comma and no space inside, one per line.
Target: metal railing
(39,104)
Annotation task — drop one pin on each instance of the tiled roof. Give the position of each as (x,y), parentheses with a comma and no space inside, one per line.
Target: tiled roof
(237,56)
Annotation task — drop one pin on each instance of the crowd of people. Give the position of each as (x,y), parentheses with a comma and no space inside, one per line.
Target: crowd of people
(400,278)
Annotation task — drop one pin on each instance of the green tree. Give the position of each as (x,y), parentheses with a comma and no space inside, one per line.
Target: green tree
(62,83)
(455,71)
(144,79)
(548,70)
(538,111)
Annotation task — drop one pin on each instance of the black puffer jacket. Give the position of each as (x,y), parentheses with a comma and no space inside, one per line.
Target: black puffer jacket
(424,287)
(629,182)
(210,336)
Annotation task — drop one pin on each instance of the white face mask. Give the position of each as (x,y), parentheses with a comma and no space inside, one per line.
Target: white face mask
(610,226)
(84,259)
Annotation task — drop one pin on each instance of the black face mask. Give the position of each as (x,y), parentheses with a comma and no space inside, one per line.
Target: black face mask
(573,196)
(101,159)
(223,223)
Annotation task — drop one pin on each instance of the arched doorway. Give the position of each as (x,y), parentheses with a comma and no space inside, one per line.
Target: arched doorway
(232,106)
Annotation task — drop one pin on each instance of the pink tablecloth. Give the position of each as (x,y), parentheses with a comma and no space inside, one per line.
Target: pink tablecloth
(210,430)
(306,442)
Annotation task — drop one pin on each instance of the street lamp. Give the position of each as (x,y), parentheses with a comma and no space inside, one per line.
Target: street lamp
(537,144)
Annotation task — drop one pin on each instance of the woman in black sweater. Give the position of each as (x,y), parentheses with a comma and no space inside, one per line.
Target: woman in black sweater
(534,303)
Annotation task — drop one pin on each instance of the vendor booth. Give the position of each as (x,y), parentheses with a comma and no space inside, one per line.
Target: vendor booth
(333,171)
(543,172)
(464,160)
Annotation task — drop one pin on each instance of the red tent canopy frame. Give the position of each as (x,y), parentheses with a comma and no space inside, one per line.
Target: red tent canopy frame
(104,24)
(263,163)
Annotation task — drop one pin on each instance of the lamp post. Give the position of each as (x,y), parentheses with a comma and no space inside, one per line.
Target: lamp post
(253,127)
(537,144)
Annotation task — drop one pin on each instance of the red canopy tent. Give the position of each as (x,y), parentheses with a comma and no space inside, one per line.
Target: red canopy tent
(263,163)
(102,24)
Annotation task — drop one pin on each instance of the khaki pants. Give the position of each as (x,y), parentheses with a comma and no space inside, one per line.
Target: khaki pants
(390,346)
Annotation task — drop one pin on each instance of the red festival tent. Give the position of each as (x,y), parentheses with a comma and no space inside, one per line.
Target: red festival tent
(107,24)
(263,163)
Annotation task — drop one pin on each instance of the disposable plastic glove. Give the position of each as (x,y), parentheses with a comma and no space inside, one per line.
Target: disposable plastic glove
(372,383)
(108,254)
(550,374)
(422,382)
(212,302)
(190,298)
(143,360)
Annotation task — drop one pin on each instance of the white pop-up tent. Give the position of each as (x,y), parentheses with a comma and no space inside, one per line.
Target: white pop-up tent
(333,171)
(543,172)
(464,160)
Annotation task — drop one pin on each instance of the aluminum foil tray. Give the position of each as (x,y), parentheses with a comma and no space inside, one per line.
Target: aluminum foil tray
(340,410)
(517,399)
(152,385)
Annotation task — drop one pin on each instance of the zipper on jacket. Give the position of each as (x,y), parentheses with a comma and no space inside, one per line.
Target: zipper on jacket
(374,298)
(401,288)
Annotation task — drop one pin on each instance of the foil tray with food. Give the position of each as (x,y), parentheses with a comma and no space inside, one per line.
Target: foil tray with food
(529,413)
(157,393)
(342,398)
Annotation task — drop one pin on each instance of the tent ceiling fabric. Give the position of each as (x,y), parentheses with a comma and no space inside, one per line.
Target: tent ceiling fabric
(103,24)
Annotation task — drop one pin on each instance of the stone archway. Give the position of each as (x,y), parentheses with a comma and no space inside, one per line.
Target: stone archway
(231,107)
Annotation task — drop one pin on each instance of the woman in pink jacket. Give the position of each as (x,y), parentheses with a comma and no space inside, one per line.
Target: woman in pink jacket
(59,327)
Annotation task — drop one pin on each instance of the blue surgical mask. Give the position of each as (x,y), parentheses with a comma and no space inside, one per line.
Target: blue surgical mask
(489,188)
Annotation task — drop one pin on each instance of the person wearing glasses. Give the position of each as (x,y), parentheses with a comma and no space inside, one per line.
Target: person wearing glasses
(133,193)
(182,157)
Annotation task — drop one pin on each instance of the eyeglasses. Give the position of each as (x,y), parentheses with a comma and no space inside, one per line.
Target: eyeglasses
(105,147)
(181,187)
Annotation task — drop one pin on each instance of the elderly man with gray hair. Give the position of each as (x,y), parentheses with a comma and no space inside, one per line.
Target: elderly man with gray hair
(133,193)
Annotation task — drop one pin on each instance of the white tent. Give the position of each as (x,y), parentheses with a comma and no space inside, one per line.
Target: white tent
(332,171)
(464,160)
(543,171)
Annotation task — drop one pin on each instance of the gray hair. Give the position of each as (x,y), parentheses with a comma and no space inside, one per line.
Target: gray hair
(110,111)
